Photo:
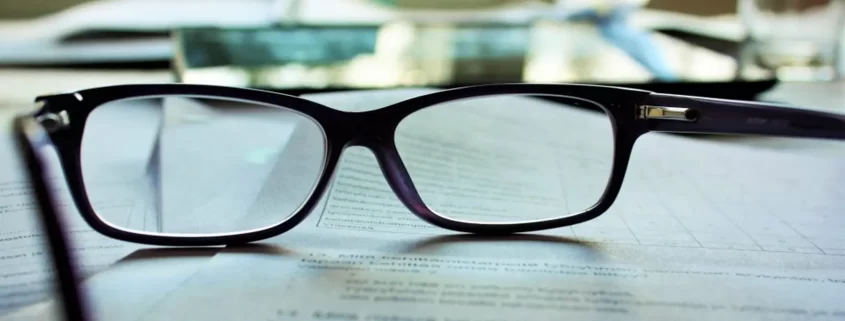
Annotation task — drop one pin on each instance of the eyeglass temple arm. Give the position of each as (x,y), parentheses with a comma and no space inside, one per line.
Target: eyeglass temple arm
(688,114)
(30,136)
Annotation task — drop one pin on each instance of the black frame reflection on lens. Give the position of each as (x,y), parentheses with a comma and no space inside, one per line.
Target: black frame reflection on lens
(632,113)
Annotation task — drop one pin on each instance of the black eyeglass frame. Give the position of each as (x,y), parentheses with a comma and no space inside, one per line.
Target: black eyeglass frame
(632,113)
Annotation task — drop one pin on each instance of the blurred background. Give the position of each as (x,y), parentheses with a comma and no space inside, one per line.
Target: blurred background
(332,44)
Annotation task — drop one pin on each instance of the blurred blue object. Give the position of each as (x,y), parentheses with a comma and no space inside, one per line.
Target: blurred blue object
(638,44)
(613,24)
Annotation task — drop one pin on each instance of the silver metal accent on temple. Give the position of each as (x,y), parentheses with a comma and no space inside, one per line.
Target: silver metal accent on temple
(52,122)
(666,113)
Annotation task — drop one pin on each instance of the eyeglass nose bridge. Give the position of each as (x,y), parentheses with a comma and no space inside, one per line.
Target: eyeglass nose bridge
(374,131)
(367,129)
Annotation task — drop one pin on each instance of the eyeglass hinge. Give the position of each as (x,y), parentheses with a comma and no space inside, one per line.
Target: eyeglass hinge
(666,113)
(53,122)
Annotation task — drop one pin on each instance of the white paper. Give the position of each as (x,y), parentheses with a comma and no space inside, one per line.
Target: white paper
(164,270)
(361,285)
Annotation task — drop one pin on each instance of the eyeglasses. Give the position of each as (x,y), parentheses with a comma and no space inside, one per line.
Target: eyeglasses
(178,164)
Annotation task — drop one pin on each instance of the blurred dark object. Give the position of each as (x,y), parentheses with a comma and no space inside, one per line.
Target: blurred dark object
(723,46)
(702,8)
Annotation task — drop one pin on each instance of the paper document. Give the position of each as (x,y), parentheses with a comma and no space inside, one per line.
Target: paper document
(313,285)
(165,270)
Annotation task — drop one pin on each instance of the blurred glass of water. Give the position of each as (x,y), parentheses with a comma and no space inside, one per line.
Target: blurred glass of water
(797,39)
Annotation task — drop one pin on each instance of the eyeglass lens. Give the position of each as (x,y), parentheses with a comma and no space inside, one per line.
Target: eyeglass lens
(198,165)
